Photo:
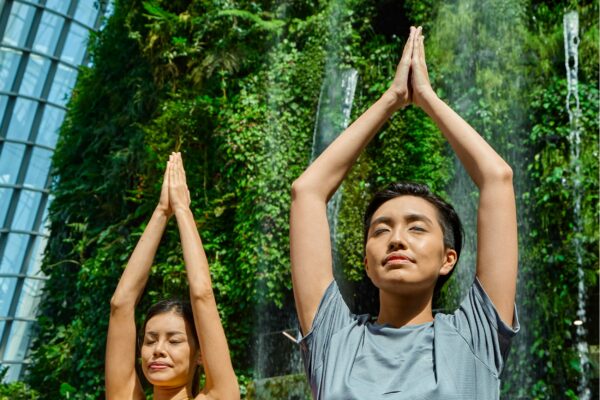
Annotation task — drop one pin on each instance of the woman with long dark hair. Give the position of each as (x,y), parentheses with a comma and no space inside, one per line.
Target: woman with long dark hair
(412,243)
(178,337)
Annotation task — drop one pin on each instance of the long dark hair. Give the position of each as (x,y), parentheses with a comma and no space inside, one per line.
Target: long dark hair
(447,217)
(184,310)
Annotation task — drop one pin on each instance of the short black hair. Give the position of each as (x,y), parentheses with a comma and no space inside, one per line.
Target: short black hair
(184,310)
(447,216)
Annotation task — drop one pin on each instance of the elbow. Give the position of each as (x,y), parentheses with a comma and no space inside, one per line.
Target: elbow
(119,304)
(505,173)
(501,174)
(115,303)
(303,188)
(298,187)
(202,294)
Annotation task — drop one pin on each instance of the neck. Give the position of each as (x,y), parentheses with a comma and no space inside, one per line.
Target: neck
(399,310)
(172,393)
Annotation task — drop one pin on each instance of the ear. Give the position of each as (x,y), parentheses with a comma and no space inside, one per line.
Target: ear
(449,261)
(366,265)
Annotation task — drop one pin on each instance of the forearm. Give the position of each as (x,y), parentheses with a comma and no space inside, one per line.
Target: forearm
(480,160)
(221,380)
(135,276)
(326,173)
(196,263)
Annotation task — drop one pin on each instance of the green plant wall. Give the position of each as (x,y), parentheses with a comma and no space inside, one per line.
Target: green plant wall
(235,86)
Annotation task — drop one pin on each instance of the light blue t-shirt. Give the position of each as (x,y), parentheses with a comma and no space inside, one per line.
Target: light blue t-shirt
(456,357)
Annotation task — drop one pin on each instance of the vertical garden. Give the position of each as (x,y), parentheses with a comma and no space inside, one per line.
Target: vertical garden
(236,87)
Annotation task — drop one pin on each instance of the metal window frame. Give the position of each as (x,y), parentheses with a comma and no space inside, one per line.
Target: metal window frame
(26,143)
(38,230)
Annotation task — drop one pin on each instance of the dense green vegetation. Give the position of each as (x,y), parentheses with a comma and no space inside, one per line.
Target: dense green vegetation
(235,86)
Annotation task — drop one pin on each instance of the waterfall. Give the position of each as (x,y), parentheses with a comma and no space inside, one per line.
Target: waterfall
(485,86)
(333,116)
(278,367)
(571,38)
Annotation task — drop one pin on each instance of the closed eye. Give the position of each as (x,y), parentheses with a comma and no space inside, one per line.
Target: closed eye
(379,231)
(418,228)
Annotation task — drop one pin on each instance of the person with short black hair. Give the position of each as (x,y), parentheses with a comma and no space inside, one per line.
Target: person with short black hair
(177,337)
(412,242)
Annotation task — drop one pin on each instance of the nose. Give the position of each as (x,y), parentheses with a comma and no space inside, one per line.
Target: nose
(158,349)
(397,241)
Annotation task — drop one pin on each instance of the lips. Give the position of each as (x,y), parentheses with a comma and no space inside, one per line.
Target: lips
(157,366)
(397,258)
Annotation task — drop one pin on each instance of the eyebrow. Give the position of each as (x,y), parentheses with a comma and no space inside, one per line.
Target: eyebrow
(418,217)
(380,220)
(171,333)
(409,218)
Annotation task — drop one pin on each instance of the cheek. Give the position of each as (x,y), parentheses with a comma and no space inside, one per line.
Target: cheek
(181,352)
(145,352)
(431,249)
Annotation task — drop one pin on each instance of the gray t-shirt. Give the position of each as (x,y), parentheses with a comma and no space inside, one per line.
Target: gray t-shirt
(457,356)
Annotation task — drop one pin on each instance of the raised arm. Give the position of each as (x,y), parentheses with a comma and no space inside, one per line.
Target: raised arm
(221,382)
(120,377)
(497,247)
(310,244)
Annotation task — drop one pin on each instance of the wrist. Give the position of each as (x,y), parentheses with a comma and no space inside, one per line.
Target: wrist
(392,100)
(162,211)
(181,210)
(427,97)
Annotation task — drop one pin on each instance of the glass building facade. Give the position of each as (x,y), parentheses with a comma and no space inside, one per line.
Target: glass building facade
(42,44)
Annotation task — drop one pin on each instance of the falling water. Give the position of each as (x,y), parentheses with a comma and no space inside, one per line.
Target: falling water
(278,370)
(571,36)
(333,116)
(486,85)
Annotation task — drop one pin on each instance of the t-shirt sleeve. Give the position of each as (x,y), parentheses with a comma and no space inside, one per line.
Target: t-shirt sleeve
(479,323)
(332,315)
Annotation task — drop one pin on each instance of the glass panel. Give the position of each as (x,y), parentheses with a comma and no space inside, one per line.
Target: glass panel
(9,61)
(27,208)
(18,341)
(3,102)
(64,80)
(30,298)
(39,166)
(13,373)
(5,194)
(51,122)
(19,23)
(86,12)
(48,33)
(35,76)
(45,223)
(7,290)
(10,162)
(22,118)
(14,253)
(58,5)
(37,255)
(75,44)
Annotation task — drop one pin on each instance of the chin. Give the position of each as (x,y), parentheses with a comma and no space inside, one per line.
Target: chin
(404,286)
